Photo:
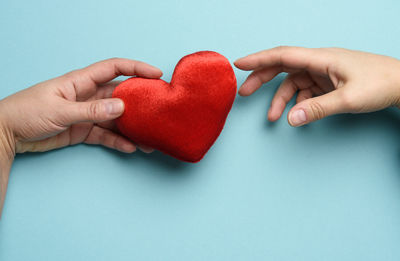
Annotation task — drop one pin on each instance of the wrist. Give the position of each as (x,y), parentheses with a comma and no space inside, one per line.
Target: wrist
(7,139)
(397,83)
(7,146)
(7,153)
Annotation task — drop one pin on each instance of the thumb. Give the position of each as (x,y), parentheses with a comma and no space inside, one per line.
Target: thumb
(97,110)
(314,109)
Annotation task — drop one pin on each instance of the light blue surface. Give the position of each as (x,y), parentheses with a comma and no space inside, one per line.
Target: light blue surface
(329,191)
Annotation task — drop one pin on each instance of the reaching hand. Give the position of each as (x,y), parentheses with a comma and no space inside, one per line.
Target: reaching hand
(328,81)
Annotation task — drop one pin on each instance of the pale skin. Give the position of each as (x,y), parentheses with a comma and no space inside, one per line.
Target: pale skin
(77,108)
(327,81)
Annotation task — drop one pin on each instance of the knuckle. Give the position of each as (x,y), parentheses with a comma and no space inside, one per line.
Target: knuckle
(103,137)
(317,110)
(282,47)
(278,50)
(333,49)
(72,74)
(107,139)
(94,111)
(116,141)
(113,59)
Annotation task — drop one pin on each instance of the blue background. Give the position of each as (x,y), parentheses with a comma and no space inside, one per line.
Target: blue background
(327,191)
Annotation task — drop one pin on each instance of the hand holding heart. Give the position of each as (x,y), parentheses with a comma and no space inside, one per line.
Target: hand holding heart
(182,119)
(78,108)
(74,108)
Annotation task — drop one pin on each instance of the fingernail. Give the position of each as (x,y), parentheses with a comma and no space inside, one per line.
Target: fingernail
(238,60)
(114,107)
(298,117)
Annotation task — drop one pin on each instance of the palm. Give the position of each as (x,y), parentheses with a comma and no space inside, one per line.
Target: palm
(310,84)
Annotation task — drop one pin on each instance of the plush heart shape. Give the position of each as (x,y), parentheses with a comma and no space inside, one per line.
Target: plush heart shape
(182,118)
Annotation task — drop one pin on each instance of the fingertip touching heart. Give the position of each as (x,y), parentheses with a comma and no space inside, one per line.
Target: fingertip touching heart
(182,118)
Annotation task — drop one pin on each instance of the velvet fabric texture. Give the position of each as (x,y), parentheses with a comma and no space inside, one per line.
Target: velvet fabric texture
(184,118)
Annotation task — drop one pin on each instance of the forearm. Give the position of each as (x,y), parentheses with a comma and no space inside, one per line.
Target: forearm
(7,152)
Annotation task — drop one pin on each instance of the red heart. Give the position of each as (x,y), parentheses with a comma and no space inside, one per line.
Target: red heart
(183,118)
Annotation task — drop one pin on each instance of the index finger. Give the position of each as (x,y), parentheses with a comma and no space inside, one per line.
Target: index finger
(85,80)
(288,58)
(105,71)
